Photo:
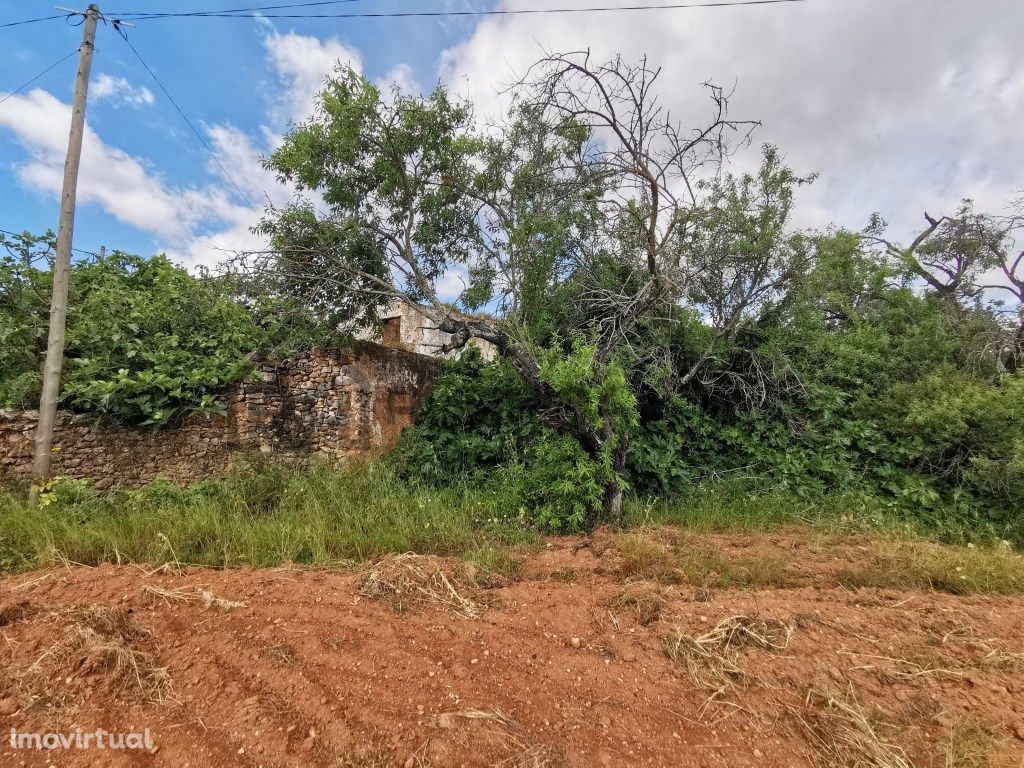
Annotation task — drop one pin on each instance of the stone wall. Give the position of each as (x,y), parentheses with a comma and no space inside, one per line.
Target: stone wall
(327,402)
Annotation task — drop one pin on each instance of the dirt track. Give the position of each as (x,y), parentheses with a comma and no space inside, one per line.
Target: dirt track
(558,669)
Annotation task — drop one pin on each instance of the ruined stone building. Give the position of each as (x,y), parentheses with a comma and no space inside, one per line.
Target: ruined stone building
(414,328)
(331,403)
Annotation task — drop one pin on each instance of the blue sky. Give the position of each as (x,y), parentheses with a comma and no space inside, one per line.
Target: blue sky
(901,106)
(218,70)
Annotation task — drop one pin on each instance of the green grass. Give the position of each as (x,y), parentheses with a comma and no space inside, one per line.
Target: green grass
(671,556)
(267,514)
(261,516)
(724,507)
(737,507)
(899,564)
(649,557)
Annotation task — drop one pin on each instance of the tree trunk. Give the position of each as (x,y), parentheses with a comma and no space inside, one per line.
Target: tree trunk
(1016,350)
(613,493)
(612,501)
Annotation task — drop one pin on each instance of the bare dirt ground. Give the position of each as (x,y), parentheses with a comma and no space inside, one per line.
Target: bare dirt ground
(425,662)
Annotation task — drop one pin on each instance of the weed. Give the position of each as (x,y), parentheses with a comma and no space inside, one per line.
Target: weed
(565,575)
(658,556)
(924,565)
(282,653)
(266,516)
(644,599)
(369,757)
(494,566)
(968,746)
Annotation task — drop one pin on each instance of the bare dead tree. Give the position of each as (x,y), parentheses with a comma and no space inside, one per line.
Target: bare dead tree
(960,258)
(651,168)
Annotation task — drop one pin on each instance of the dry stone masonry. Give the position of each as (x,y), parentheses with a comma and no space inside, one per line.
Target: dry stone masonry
(328,402)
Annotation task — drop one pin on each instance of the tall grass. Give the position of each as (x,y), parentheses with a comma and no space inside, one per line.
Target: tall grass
(738,507)
(267,513)
(261,516)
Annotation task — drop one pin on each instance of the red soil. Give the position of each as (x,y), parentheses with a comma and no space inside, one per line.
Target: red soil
(311,673)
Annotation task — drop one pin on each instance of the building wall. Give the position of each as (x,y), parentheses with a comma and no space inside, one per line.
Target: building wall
(327,402)
(413,328)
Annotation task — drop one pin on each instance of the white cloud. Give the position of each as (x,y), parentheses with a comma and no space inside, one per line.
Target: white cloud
(452,283)
(302,62)
(119,92)
(899,109)
(241,156)
(198,225)
(107,176)
(195,225)
(401,77)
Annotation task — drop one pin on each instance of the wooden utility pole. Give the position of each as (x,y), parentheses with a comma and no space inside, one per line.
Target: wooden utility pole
(62,262)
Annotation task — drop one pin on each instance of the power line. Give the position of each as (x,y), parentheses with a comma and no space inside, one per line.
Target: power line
(23,86)
(411,14)
(152,15)
(184,117)
(30,21)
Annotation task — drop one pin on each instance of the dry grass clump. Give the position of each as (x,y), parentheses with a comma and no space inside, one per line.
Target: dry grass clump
(565,575)
(657,556)
(525,753)
(205,597)
(711,658)
(924,565)
(647,558)
(282,653)
(951,648)
(1005,661)
(99,641)
(410,581)
(844,734)
(642,598)
(969,745)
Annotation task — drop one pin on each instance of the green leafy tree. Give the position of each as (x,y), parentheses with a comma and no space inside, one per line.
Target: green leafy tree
(147,343)
(25,286)
(587,181)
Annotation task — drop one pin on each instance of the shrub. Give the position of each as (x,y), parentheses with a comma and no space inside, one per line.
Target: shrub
(147,342)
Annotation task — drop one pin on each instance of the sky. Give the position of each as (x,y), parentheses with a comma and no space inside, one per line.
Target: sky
(899,106)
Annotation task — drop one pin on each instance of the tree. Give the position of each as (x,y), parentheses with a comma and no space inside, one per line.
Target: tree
(25,280)
(573,220)
(965,259)
(147,342)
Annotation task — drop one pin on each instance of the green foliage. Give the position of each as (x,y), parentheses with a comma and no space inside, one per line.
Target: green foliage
(481,426)
(263,515)
(574,376)
(896,397)
(381,165)
(25,286)
(147,343)
(557,486)
(479,417)
(894,404)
